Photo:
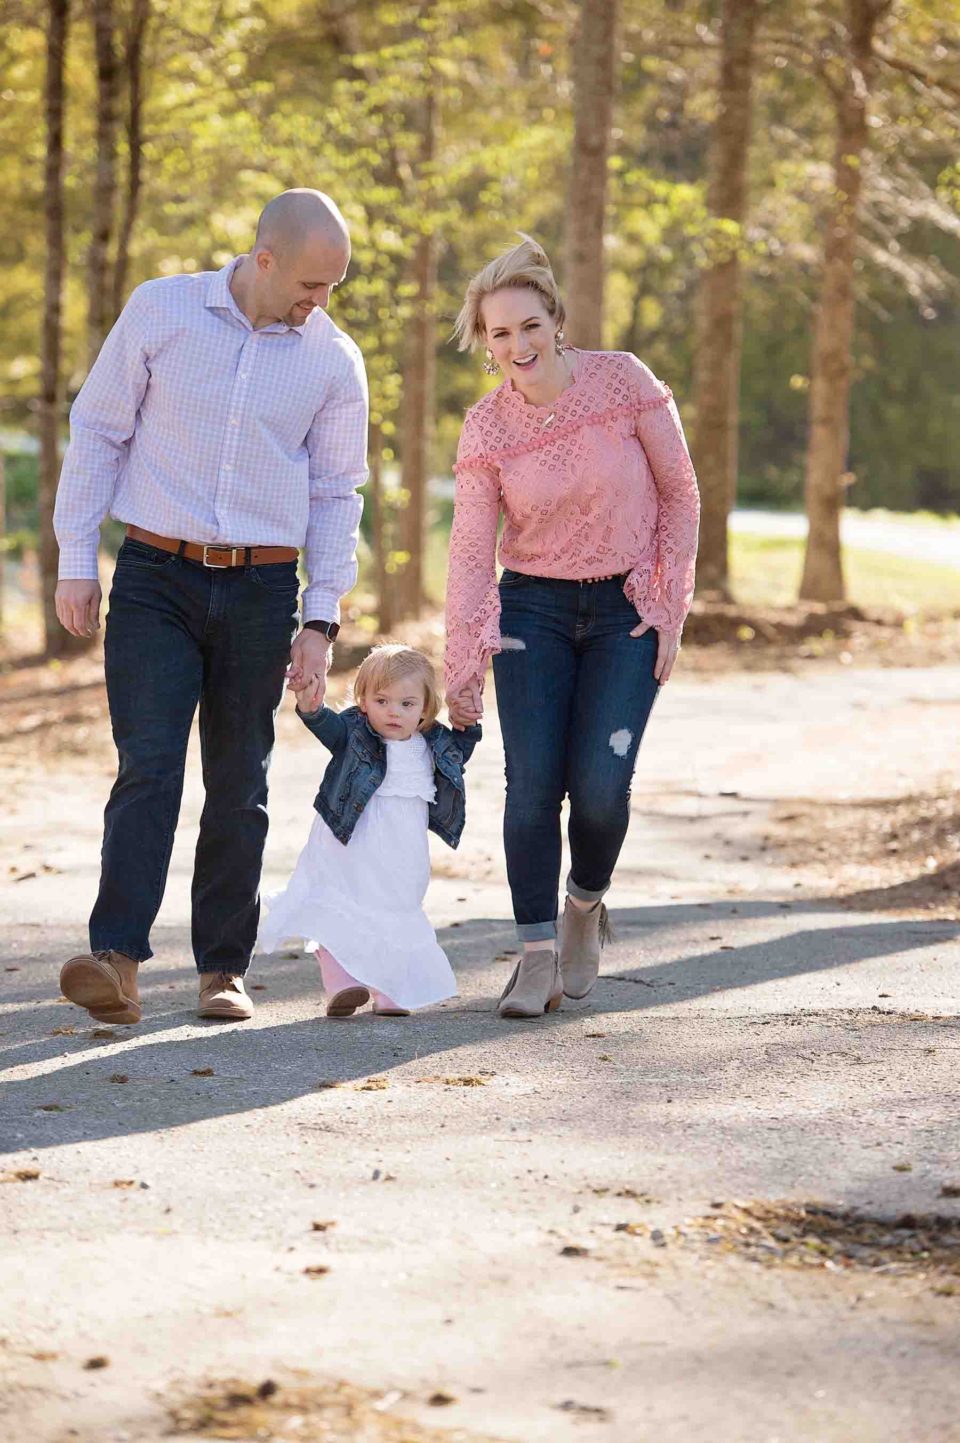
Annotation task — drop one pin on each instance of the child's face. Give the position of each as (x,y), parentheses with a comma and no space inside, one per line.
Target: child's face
(395,711)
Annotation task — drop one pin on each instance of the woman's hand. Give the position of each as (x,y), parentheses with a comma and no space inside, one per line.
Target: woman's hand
(466,707)
(668,645)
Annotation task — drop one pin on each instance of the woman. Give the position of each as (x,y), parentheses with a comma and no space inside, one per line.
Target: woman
(584,454)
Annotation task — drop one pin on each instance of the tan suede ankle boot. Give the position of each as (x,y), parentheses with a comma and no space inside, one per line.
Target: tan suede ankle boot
(535,987)
(583,933)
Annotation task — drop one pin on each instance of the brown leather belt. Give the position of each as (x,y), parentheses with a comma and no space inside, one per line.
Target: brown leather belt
(216,556)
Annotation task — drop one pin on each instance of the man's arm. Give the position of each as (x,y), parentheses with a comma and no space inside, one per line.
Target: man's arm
(337,449)
(102,421)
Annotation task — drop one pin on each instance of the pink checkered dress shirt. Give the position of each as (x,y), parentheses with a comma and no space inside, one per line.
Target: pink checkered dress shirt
(196,426)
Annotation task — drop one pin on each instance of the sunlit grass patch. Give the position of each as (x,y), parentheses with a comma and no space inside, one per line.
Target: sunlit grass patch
(765,571)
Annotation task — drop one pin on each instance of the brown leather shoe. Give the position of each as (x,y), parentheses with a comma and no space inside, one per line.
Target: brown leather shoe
(222,996)
(105,983)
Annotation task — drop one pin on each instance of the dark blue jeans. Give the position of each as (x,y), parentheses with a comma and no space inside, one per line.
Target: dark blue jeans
(180,635)
(574,691)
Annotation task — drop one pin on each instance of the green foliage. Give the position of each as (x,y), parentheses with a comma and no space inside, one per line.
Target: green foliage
(247,97)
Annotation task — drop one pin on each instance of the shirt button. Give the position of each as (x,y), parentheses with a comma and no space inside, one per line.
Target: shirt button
(234,421)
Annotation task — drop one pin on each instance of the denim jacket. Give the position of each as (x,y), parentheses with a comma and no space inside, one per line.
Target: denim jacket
(359,764)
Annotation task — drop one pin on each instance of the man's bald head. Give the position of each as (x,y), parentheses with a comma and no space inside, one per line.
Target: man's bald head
(299,257)
(299,216)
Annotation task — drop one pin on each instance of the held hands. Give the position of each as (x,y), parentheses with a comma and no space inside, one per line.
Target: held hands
(78,606)
(306,675)
(466,707)
(668,645)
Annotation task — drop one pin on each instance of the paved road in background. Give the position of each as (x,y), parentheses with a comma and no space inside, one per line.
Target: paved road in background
(895,535)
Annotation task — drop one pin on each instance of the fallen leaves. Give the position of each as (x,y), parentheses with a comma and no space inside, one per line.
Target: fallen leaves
(816,1235)
(316,1270)
(322,1227)
(118,1077)
(123,1182)
(202,1072)
(574,1250)
(327,1082)
(372,1084)
(468,1080)
(21,1174)
(94,1364)
(50,1107)
(63,1032)
(102,1034)
(280,1410)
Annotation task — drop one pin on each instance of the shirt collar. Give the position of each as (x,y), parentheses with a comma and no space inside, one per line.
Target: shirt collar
(219,298)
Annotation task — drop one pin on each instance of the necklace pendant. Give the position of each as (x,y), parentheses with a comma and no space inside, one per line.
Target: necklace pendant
(548,421)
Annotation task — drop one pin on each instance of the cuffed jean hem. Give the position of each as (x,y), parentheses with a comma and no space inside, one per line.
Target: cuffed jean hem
(581,893)
(99,945)
(231,971)
(536,931)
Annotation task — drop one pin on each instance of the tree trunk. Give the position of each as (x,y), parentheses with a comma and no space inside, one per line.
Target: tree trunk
(594,79)
(133,66)
(99,285)
(831,365)
(416,422)
(716,376)
(51,391)
(384,581)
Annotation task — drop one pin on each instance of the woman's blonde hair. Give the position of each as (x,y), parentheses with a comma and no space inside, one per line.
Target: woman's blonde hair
(389,663)
(522,267)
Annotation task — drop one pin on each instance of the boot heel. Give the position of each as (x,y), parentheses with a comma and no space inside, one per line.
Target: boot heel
(554,1003)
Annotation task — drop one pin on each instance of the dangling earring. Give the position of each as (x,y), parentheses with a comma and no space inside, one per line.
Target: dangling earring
(558,341)
(490,365)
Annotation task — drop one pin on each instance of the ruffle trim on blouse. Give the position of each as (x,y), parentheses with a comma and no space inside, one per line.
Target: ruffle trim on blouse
(566,428)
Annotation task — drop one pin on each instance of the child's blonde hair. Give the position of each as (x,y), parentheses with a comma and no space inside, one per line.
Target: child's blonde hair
(390,662)
(522,267)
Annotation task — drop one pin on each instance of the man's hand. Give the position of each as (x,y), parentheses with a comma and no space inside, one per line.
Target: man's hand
(668,646)
(307,674)
(78,606)
(466,707)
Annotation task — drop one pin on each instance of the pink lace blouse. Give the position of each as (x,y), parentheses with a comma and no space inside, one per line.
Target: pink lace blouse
(599,483)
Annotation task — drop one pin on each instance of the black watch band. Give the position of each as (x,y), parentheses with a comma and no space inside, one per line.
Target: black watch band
(330,629)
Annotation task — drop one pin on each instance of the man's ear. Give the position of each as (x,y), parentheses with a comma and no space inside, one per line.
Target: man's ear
(265,260)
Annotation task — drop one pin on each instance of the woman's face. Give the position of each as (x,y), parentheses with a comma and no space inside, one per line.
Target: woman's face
(521,333)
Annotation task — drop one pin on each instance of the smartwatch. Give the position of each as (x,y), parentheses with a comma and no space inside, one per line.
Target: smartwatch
(330,629)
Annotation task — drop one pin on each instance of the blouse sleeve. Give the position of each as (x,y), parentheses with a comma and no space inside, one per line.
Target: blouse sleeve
(662,587)
(473,602)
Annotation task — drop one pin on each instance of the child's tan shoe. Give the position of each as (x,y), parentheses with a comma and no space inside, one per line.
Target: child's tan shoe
(105,983)
(345,1002)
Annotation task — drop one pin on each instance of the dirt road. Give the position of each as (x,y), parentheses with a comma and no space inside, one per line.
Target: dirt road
(534,1226)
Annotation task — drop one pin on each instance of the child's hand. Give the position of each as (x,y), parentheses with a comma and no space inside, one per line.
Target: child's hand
(309,690)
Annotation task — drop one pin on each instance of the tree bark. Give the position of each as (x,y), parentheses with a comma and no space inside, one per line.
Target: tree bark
(832,361)
(594,80)
(99,284)
(51,386)
(719,325)
(416,422)
(133,66)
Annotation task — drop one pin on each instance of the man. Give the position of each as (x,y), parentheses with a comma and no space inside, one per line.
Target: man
(224,422)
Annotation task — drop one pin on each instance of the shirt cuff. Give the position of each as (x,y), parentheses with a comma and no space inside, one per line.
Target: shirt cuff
(78,561)
(319,605)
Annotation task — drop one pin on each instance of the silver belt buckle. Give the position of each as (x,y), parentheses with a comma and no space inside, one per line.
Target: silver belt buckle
(219,565)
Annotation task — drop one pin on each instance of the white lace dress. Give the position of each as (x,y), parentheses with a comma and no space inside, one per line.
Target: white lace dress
(363,902)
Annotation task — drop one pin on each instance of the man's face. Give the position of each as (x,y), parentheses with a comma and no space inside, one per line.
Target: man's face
(299,282)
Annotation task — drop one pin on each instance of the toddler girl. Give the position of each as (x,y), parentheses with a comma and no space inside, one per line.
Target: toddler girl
(359,884)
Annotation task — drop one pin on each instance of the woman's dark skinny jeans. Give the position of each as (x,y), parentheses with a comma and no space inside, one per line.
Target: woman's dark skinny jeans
(179,636)
(574,692)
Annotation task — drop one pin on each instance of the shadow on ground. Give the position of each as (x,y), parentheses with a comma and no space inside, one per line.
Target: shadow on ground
(266,1064)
